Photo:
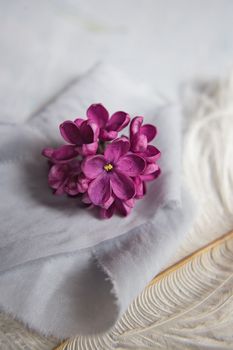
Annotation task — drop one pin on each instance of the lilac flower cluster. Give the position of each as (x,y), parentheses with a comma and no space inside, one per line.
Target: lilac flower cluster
(106,170)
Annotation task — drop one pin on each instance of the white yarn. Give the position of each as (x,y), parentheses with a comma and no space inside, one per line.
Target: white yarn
(208,159)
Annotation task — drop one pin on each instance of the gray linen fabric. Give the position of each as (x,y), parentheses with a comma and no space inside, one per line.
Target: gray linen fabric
(63,271)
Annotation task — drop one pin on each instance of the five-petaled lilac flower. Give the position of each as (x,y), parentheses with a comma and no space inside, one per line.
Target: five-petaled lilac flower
(109,127)
(112,173)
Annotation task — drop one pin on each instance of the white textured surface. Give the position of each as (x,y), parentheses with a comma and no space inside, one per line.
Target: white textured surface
(45,44)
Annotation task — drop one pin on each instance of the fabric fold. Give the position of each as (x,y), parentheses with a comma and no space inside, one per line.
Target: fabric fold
(74,272)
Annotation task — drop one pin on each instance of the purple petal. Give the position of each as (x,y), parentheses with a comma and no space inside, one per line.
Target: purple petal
(135,125)
(88,149)
(98,114)
(118,121)
(152,153)
(60,155)
(89,131)
(70,132)
(140,188)
(79,121)
(61,190)
(130,202)
(86,133)
(149,131)
(107,213)
(74,167)
(71,187)
(48,152)
(86,198)
(107,135)
(124,138)
(95,130)
(57,177)
(122,186)
(139,143)
(116,149)
(131,165)
(150,168)
(93,166)
(99,190)
(82,183)
(108,203)
(151,176)
(124,207)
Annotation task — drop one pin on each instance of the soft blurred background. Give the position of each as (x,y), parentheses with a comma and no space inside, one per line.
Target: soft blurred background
(45,44)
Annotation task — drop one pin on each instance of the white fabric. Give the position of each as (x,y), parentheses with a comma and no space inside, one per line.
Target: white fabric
(63,270)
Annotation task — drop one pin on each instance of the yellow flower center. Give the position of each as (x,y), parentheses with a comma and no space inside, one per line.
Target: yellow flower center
(108,167)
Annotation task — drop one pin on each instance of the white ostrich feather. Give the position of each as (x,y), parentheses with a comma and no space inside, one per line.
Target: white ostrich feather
(208,159)
(189,308)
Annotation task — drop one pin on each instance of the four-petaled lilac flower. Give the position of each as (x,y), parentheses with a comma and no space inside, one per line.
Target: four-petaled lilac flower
(140,137)
(62,154)
(109,127)
(109,175)
(112,173)
(67,178)
(82,134)
(119,206)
